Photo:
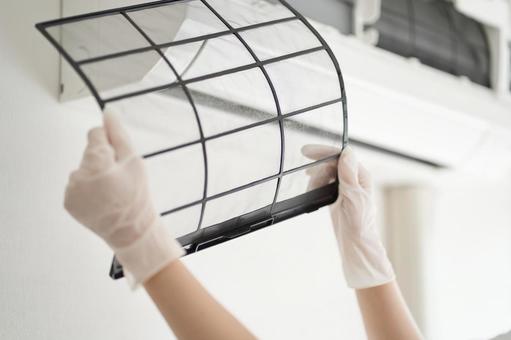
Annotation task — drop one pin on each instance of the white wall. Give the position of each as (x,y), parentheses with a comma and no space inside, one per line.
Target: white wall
(450,242)
(468,280)
(284,282)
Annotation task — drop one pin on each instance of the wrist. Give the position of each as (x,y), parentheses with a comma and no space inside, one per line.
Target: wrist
(365,262)
(148,254)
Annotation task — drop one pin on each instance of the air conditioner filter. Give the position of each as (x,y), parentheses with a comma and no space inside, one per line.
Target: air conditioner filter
(219,96)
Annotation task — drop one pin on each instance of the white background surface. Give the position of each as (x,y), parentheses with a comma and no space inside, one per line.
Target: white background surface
(284,283)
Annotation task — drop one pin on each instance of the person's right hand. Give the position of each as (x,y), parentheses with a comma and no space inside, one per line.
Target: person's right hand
(365,261)
(109,194)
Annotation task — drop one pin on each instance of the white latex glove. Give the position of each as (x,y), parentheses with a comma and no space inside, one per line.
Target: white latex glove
(109,194)
(364,259)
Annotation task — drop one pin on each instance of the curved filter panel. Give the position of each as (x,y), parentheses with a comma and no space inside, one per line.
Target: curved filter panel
(219,97)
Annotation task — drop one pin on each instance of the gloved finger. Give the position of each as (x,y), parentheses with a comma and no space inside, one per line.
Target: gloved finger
(314,169)
(74,177)
(348,167)
(317,151)
(325,172)
(98,154)
(117,135)
(364,178)
(97,137)
(321,175)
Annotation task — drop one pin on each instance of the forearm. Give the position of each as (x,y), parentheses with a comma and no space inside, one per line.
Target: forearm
(189,309)
(365,263)
(385,313)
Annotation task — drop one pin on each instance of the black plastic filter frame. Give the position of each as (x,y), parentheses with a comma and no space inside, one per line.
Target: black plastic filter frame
(263,217)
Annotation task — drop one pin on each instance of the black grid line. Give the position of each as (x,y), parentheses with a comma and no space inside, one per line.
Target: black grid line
(192,103)
(252,184)
(185,41)
(243,128)
(108,12)
(73,64)
(280,118)
(260,65)
(214,75)
(331,54)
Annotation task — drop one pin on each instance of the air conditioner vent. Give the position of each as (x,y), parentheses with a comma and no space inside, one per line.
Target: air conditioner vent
(438,35)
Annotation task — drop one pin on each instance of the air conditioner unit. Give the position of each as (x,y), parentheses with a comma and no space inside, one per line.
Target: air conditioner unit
(399,107)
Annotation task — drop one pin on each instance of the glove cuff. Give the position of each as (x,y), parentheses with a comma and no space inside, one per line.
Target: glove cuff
(365,262)
(149,254)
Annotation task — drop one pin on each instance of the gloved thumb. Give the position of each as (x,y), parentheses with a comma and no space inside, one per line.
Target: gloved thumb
(348,167)
(364,178)
(98,155)
(117,135)
(317,151)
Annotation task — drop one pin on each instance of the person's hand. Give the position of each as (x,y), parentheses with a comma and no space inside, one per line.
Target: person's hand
(365,261)
(109,194)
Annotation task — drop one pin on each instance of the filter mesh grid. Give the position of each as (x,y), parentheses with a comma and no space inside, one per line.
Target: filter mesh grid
(199,81)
